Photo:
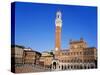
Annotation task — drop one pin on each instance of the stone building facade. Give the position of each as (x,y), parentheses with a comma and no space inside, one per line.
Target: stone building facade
(77,56)
(23,59)
(31,56)
(23,55)
(46,59)
(17,54)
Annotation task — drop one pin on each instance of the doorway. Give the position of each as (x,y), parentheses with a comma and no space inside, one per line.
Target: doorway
(54,65)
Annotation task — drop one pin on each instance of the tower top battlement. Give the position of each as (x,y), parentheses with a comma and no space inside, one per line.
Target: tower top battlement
(58,20)
(58,14)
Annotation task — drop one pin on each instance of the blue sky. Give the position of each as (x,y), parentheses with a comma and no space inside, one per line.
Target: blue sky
(35,25)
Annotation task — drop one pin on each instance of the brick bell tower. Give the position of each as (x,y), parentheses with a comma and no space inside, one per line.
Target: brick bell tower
(58,24)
